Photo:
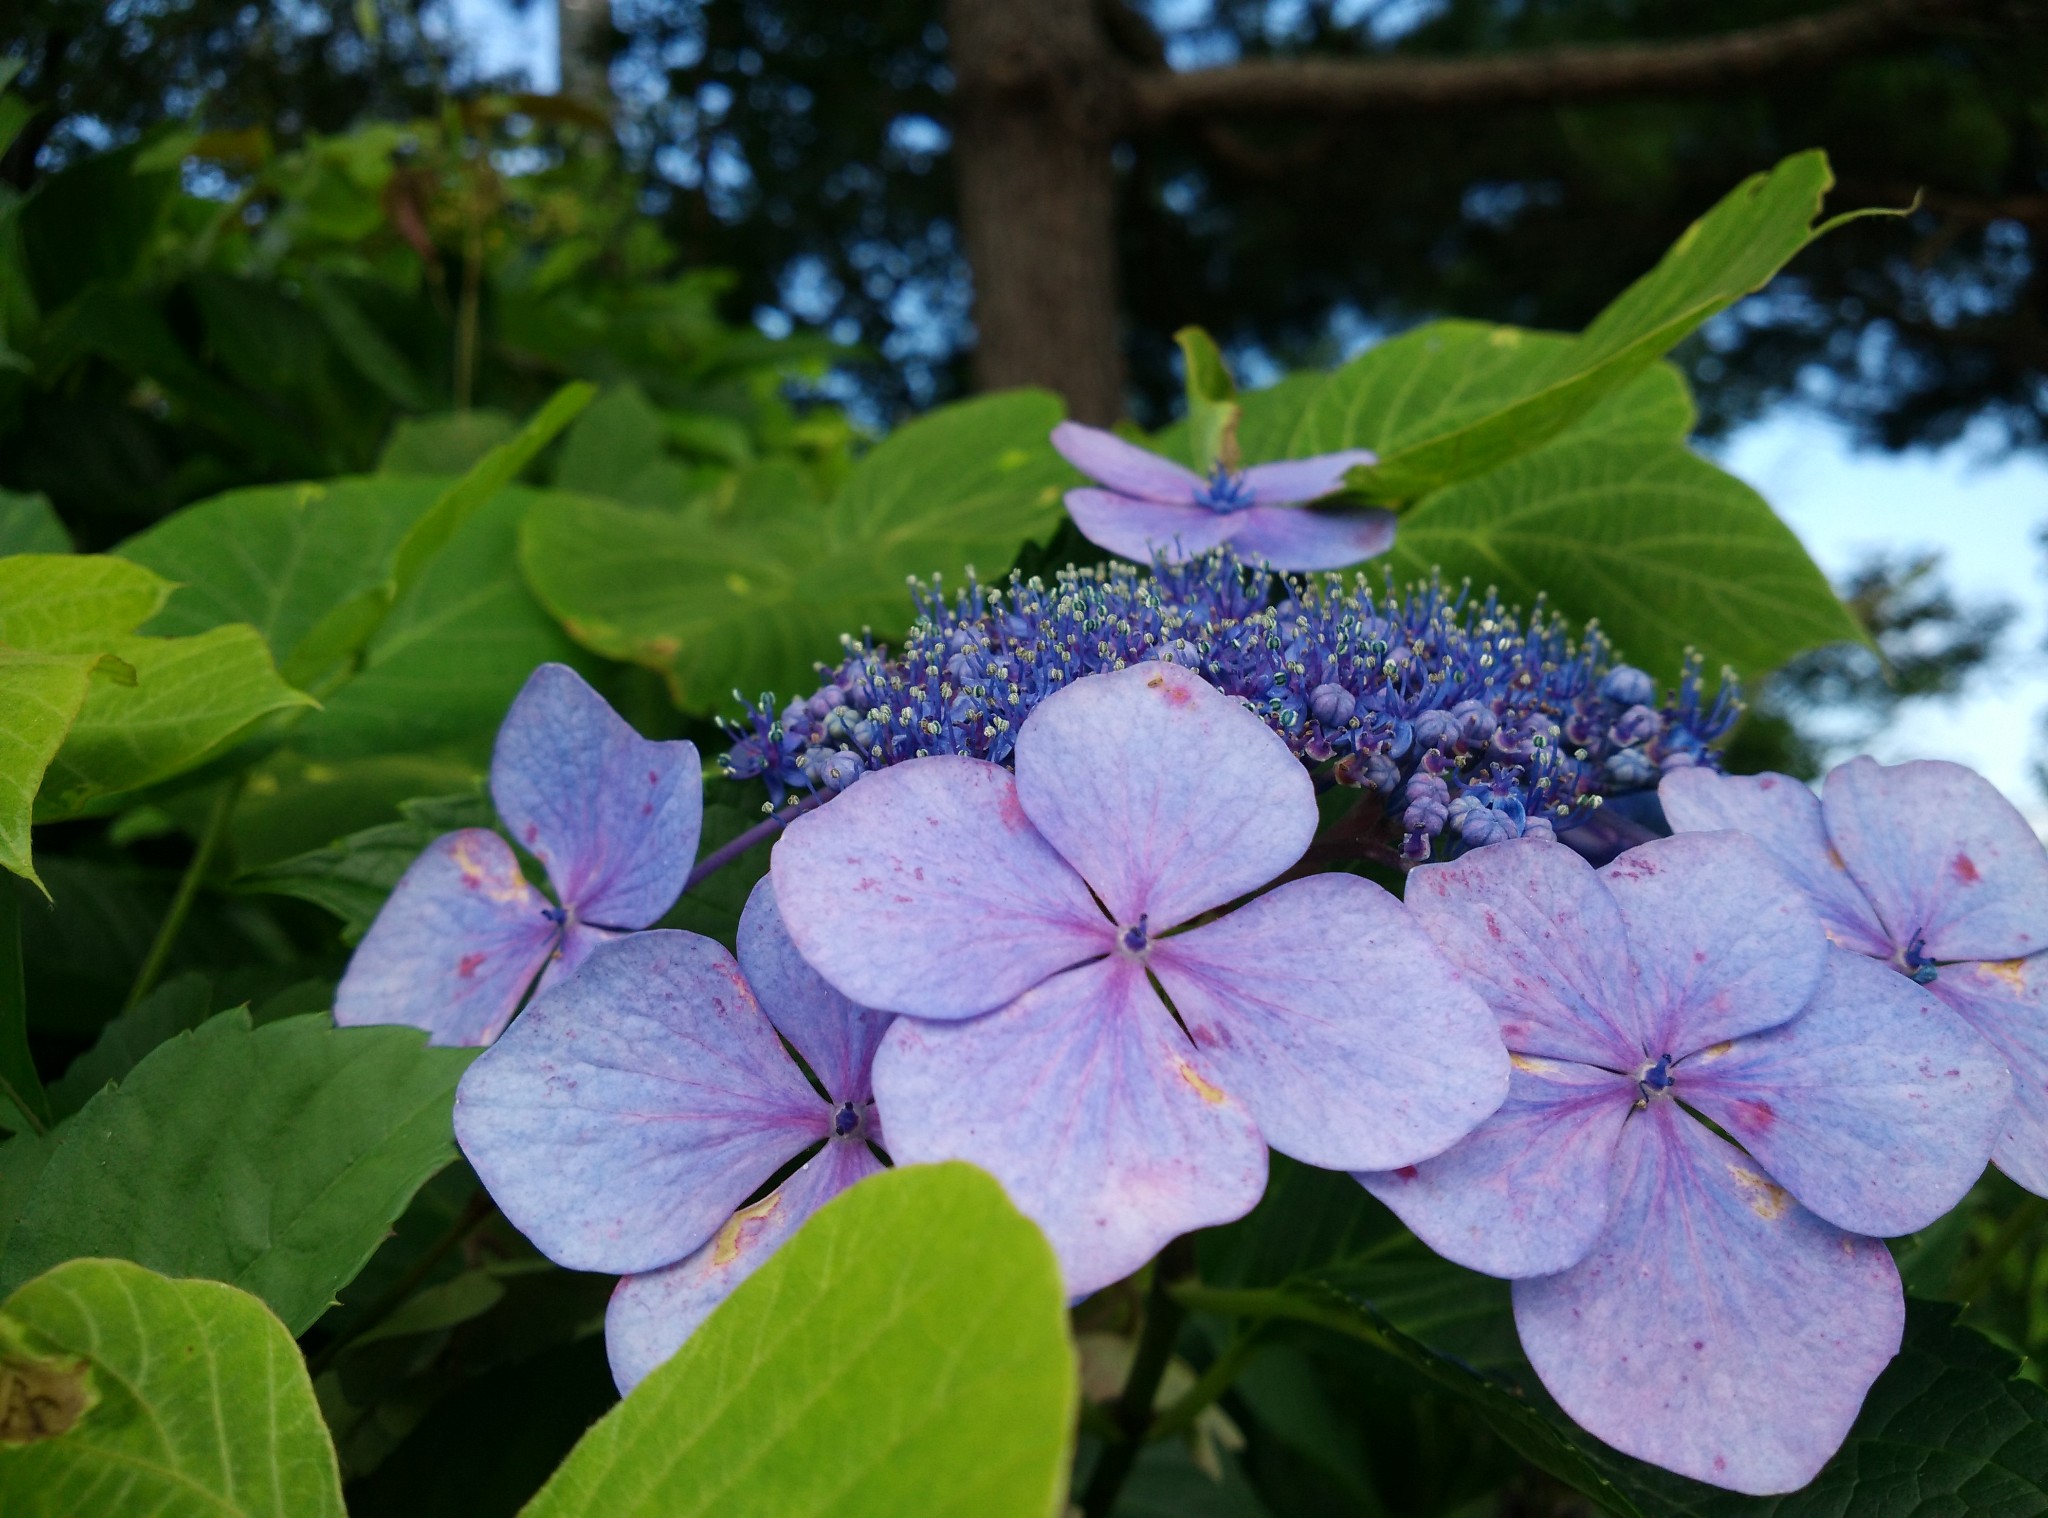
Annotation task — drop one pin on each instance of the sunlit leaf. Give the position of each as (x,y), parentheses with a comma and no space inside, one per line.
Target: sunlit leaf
(129,1394)
(906,1352)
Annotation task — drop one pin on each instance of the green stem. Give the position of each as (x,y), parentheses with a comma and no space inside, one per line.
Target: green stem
(17,1066)
(210,839)
(1133,1410)
(467,313)
(1215,1381)
(400,1291)
(1983,1270)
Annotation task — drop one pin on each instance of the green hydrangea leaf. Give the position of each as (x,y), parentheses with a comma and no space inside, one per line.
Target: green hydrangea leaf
(749,588)
(122,1392)
(1663,549)
(272,1158)
(906,1352)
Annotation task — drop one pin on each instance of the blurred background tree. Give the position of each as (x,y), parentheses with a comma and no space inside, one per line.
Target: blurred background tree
(1300,176)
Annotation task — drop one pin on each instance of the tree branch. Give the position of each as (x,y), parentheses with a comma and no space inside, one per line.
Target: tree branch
(1544,76)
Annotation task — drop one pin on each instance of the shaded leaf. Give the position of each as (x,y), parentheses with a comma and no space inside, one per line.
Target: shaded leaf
(272,1158)
(177,1006)
(352,876)
(445,444)
(40,696)
(906,1352)
(187,1399)
(751,591)
(29,524)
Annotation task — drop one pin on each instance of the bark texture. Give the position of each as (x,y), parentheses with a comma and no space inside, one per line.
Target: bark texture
(1039,102)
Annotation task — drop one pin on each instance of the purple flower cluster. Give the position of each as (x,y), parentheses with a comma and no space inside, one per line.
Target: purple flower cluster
(1677,1100)
(1469,723)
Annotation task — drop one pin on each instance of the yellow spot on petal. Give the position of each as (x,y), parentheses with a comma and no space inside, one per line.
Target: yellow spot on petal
(475,869)
(1717,1050)
(1766,1198)
(1533,1066)
(1835,858)
(733,1236)
(1211,1094)
(2012,971)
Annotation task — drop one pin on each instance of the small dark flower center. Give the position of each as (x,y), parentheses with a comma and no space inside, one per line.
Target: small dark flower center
(1225,490)
(1917,965)
(1135,939)
(1656,1078)
(846,1119)
(555,915)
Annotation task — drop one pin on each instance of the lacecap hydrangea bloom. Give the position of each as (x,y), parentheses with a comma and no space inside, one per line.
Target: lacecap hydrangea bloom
(1462,722)
(1720,1311)
(1926,868)
(624,1122)
(1144,506)
(613,817)
(1022,921)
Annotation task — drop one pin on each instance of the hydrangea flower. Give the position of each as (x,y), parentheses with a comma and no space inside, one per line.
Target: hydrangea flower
(1022,921)
(1927,868)
(1155,507)
(624,1121)
(1418,697)
(613,817)
(1716,1311)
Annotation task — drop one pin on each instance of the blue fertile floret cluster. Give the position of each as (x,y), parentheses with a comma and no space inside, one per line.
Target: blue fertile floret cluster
(1469,723)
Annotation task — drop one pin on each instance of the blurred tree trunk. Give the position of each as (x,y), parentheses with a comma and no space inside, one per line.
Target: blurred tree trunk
(582,50)
(1038,111)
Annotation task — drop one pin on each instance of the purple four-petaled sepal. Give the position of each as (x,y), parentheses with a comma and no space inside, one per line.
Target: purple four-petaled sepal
(1028,923)
(1720,1311)
(1147,508)
(629,1121)
(1928,869)
(613,817)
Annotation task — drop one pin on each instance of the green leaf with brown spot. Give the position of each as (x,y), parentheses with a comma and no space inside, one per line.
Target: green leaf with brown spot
(124,1394)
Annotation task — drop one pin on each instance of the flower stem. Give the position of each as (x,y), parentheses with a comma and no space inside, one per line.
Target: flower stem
(758,834)
(210,839)
(1216,1380)
(1132,1413)
(1982,1271)
(478,1207)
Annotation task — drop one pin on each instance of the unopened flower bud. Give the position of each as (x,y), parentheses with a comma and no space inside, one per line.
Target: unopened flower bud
(1332,705)
(1625,685)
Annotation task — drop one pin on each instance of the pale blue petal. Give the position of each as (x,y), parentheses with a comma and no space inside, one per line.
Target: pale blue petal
(1876,1106)
(925,889)
(1105,1126)
(635,1106)
(1325,1009)
(1533,931)
(836,1038)
(1144,530)
(1527,1193)
(454,947)
(1718,1328)
(1309,479)
(2006,1001)
(1295,540)
(1723,943)
(614,817)
(1943,857)
(1784,817)
(1124,467)
(1168,796)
